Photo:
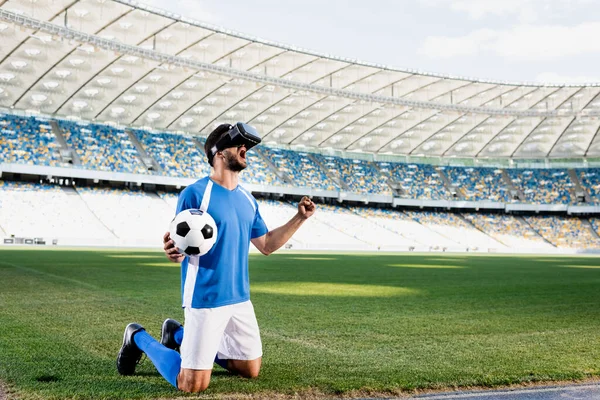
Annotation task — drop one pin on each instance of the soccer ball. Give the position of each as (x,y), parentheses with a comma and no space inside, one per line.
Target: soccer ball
(194,232)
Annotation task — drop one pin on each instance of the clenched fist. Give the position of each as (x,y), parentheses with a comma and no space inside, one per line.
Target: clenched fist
(306,207)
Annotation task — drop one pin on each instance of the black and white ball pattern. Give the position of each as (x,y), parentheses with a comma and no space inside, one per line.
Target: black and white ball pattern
(194,232)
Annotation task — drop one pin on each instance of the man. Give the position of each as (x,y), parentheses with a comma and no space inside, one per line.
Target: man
(220,324)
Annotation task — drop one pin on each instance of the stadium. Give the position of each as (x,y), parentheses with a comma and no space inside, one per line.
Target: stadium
(105,107)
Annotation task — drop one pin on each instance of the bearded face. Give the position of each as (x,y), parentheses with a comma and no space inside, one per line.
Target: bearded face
(235,158)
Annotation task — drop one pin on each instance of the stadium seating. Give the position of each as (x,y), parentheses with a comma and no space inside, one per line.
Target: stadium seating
(259,172)
(102,147)
(360,176)
(300,168)
(453,227)
(590,181)
(508,230)
(413,233)
(419,181)
(177,155)
(564,232)
(28,140)
(363,230)
(49,212)
(544,186)
(479,184)
(135,217)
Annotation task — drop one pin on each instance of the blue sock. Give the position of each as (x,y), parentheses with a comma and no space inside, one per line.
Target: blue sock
(166,361)
(179,338)
(221,363)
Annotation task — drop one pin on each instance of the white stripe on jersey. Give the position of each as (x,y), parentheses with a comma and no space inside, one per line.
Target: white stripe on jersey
(249,197)
(192,269)
(206,196)
(190,280)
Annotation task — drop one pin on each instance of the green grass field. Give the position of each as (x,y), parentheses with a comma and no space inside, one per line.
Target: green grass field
(330,323)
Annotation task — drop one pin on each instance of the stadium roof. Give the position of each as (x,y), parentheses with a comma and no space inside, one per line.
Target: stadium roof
(116,61)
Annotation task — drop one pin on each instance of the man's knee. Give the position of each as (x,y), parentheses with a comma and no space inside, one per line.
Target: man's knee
(248,369)
(251,374)
(193,382)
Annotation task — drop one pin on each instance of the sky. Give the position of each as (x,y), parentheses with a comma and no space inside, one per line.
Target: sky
(542,41)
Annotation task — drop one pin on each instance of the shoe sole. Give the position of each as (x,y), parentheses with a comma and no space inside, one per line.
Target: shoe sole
(163,332)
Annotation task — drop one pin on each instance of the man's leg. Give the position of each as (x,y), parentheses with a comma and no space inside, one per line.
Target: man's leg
(245,368)
(241,333)
(135,341)
(240,351)
(172,336)
(194,380)
(166,361)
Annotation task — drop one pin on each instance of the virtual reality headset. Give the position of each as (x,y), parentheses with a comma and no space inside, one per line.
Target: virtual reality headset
(238,135)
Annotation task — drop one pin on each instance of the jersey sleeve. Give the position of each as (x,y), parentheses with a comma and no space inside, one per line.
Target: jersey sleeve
(188,198)
(259,228)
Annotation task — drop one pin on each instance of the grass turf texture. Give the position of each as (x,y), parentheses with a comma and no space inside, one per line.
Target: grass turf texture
(330,323)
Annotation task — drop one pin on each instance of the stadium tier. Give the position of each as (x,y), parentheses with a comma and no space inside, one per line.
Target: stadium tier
(479,184)
(541,186)
(102,147)
(35,141)
(512,231)
(565,232)
(50,212)
(419,181)
(28,140)
(177,155)
(107,216)
(590,181)
(300,168)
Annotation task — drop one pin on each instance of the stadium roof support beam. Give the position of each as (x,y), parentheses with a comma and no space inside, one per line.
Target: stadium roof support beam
(111,45)
(525,137)
(560,136)
(465,135)
(592,141)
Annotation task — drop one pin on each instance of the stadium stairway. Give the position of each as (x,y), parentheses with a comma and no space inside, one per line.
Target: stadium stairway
(340,182)
(454,191)
(70,191)
(388,228)
(282,175)
(480,230)
(395,186)
(523,220)
(433,237)
(509,184)
(590,227)
(199,144)
(66,153)
(144,157)
(579,190)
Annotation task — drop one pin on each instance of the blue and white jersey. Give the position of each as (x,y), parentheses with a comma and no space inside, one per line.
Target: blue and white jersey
(220,277)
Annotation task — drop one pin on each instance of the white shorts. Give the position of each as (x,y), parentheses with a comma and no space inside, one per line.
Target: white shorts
(229,331)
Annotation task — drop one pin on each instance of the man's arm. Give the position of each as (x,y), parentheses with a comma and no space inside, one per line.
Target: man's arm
(276,238)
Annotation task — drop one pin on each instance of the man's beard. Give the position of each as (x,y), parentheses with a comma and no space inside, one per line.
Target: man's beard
(232,163)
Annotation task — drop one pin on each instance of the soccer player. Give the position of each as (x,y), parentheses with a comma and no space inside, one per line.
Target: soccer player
(220,324)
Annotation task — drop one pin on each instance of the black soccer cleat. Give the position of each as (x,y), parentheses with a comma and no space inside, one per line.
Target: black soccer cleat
(167,333)
(129,356)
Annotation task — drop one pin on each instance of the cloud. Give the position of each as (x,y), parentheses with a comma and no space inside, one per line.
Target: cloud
(522,42)
(477,9)
(524,11)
